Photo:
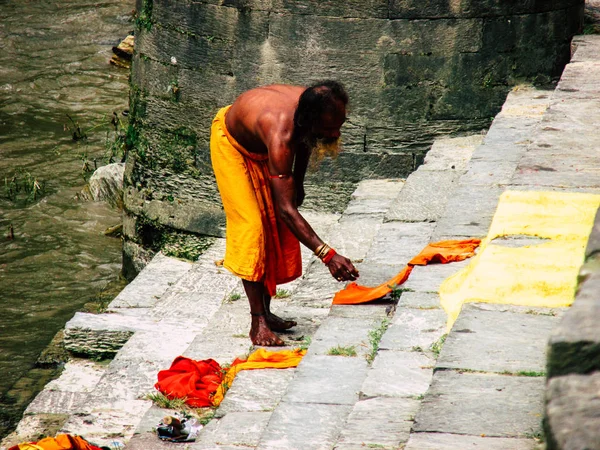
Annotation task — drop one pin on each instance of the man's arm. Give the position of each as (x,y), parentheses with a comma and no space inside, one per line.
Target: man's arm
(283,188)
(300,165)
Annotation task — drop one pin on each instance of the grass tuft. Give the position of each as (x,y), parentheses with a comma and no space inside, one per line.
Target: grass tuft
(436,347)
(375,336)
(342,351)
(162,401)
(282,293)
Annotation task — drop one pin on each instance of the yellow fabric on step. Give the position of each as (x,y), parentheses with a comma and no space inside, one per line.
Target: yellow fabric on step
(542,275)
(259,359)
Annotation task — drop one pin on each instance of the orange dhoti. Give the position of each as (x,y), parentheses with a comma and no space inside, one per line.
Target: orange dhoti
(259,246)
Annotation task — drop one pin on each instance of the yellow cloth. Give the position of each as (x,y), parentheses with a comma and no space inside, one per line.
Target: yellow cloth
(259,246)
(259,359)
(542,275)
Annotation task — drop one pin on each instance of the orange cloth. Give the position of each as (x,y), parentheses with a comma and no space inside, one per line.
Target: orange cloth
(196,381)
(439,252)
(60,442)
(259,359)
(259,246)
(204,383)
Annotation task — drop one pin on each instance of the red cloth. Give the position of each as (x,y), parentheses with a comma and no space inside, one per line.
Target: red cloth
(196,381)
(438,252)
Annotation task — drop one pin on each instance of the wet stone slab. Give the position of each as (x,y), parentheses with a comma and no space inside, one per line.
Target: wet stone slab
(469,212)
(497,341)
(424,196)
(156,278)
(374,196)
(429,278)
(445,441)
(343,332)
(327,379)
(307,426)
(414,328)
(255,391)
(419,300)
(236,428)
(451,153)
(398,374)
(375,311)
(397,243)
(482,404)
(378,423)
(354,234)
(489,172)
(56,402)
(376,274)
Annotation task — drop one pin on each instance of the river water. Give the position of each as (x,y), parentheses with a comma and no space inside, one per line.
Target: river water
(53,64)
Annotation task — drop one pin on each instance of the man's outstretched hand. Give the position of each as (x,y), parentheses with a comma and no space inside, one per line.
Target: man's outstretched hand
(342,269)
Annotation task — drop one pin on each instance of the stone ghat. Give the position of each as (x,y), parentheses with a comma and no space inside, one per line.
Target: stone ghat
(483,385)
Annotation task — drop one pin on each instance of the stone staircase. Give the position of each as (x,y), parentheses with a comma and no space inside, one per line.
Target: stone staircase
(411,385)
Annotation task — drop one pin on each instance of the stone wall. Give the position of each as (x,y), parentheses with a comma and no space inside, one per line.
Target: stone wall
(414,70)
(572,401)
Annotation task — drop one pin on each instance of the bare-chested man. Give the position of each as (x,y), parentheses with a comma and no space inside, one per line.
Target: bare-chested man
(260,149)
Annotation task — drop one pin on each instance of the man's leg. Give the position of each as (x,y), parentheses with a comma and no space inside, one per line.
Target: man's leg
(276,323)
(260,332)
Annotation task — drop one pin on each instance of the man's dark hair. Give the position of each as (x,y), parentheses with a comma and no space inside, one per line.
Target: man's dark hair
(316,100)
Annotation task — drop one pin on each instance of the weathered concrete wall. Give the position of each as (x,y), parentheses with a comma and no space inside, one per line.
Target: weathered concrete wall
(414,70)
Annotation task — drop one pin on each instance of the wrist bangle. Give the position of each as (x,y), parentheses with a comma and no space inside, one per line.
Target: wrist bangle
(329,256)
(318,249)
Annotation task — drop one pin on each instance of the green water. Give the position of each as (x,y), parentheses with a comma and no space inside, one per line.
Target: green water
(54,64)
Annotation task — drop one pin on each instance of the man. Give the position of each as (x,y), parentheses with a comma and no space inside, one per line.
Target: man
(260,149)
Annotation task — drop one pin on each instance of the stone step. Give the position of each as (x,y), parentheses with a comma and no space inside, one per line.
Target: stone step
(470,209)
(248,407)
(426,191)
(336,397)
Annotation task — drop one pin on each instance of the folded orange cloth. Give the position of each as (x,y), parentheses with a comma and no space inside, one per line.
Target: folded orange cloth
(204,383)
(60,442)
(259,246)
(195,381)
(438,252)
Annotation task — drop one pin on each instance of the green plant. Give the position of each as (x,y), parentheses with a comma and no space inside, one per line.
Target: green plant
(234,296)
(396,292)
(524,373)
(305,343)
(144,18)
(118,140)
(282,293)
(174,90)
(23,186)
(342,351)
(436,347)
(375,336)
(162,401)
(206,417)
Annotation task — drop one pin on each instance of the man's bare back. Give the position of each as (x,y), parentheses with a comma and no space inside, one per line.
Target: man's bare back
(263,111)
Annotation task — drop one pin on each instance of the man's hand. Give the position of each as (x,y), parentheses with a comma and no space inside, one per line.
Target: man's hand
(342,269)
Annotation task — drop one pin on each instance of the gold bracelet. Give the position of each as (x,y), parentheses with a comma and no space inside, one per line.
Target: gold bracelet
(318,249)
(323,252)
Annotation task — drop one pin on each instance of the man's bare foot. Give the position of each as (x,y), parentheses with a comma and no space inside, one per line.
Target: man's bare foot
(261,334)
(278,324)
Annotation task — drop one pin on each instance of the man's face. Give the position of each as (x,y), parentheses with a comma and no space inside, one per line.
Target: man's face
(326,133)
